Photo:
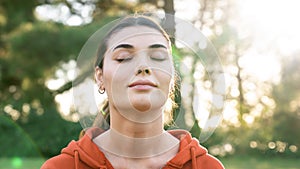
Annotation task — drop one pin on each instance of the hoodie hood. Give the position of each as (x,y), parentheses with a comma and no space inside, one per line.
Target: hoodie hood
(86,153)
(189,149)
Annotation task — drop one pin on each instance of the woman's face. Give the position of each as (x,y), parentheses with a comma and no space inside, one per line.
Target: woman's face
(137,72)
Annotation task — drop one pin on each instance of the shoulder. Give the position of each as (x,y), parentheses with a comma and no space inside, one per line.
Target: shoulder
(64,160)
(78,153)
(209,162)
(193,155)
(60,161)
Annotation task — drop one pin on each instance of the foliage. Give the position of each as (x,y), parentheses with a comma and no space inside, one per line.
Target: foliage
(286,118)
(31,51)
(30,54)
(35,52)
(14,138)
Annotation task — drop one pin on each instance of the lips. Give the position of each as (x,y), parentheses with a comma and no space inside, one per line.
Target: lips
(142,83)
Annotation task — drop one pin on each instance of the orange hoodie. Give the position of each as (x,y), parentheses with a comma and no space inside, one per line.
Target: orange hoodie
(85,154)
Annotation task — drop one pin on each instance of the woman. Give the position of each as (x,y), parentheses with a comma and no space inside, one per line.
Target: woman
(135,68)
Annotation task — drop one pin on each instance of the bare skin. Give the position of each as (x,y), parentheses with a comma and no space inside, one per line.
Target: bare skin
(130,102)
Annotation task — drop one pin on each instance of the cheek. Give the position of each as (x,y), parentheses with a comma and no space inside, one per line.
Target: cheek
(165,82)
(115,80)
(107,76)
(109,72)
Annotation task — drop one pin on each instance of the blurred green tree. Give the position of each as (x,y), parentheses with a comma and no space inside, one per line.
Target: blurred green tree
(286,118)
(31,51)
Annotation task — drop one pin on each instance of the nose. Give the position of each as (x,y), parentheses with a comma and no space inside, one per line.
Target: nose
(142,64)
(143,71)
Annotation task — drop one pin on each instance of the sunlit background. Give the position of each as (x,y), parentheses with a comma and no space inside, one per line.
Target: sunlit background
(258,46)
(269,26)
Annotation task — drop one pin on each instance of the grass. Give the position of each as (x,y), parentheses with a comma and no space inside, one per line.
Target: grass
(21,163)
(240,162)
(253,162)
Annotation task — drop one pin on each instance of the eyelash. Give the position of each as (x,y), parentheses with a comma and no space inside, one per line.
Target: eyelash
(152,56)
(127,59)
(157,59)
(123,56)
(123,59)
(158,56)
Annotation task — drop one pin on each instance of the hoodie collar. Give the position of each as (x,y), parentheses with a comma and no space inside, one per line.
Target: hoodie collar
(86,151)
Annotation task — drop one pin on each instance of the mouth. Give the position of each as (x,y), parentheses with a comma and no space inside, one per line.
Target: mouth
(142,84)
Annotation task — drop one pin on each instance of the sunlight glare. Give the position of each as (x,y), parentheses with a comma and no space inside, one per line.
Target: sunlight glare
(186,10)
(248,118)
(265,67)
(272,21)
(74,21)
(61,13)
(54,84)
(230,113)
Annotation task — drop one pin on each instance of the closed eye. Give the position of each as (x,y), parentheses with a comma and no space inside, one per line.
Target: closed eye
(158,55)
(122,55)
(123,59)
(157,58)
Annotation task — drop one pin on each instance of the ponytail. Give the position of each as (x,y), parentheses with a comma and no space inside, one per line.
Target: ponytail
(102,119)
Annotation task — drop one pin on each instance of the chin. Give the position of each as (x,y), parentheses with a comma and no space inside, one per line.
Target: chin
(142,107)
(141,104)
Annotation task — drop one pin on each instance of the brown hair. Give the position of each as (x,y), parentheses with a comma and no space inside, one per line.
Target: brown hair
(130,21)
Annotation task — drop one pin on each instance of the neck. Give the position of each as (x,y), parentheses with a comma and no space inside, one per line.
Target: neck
(135,140)
(130,128)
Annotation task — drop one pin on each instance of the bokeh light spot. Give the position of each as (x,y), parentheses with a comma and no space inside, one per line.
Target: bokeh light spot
(16,162)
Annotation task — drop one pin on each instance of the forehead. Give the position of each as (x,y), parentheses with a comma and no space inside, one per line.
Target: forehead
(137,36)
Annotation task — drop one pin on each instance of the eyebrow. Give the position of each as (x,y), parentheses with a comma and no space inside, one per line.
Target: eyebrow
(128,46)
(154,46)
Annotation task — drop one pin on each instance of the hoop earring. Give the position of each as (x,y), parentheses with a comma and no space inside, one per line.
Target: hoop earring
(101,91)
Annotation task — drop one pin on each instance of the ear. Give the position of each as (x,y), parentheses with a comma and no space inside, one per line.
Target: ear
(99,76)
